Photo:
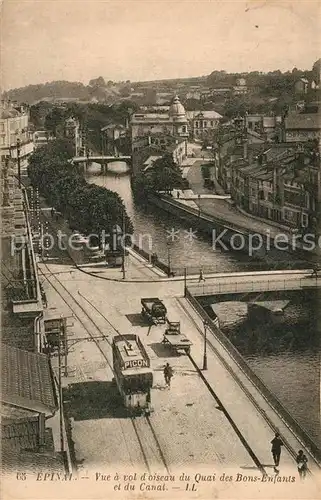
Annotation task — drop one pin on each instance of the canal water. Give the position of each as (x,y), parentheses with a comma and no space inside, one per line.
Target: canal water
(286,356)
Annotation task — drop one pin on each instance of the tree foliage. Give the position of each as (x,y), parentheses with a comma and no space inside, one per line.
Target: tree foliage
(163,176)
(90,209)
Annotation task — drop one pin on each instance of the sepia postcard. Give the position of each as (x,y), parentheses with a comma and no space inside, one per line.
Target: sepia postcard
(160,249)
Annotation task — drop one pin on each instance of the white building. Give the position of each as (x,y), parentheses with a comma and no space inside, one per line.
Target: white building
(174,122)
(202,123)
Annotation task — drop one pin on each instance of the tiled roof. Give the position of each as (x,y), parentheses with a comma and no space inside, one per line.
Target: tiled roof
(25,461)
(27,380)
(20,434)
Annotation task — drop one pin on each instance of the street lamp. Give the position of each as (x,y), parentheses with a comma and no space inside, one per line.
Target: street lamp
(205,345)
(18,161)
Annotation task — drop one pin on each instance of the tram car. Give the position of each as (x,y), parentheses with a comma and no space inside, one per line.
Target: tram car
(133,375)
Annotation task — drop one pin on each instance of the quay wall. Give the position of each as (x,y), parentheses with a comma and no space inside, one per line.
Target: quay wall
(214,225)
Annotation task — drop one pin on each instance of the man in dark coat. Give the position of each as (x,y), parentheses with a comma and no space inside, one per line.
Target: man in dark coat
(276,448)
(168,373)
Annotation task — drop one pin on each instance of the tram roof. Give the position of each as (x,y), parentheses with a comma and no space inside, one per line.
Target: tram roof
(130,350)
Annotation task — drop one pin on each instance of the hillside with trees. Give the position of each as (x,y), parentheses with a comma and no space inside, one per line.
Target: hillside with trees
(97,89)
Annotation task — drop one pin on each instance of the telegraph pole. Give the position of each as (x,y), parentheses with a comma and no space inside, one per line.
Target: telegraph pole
(64,326)
(18,161)
(62,441)
(124,246)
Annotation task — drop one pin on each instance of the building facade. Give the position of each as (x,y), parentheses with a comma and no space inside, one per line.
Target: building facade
(301,127)
(73,133)
(282,184)
(174,122)
(15,137)
(203,123)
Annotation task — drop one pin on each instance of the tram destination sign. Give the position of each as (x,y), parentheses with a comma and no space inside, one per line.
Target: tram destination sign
(136,363)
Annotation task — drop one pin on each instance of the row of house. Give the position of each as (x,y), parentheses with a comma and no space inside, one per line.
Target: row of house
(199,92)
(29,395)
(279,181)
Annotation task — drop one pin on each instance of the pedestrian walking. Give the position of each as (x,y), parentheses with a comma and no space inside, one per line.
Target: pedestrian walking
(178,194)
(276,448)
(52,212)
(168,373)
(302,462)
(315,272)
(201,276)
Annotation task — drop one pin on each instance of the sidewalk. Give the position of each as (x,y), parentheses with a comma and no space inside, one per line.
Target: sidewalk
(189,424)
(238,403)
(227,211)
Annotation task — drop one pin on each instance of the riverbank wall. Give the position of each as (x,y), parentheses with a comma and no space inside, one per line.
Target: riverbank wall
(226,235)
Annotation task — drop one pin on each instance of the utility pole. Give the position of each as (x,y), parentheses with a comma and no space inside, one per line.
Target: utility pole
(18,161)
(64,326)
(205,346)
(124,246)
(169,258)
(185,281)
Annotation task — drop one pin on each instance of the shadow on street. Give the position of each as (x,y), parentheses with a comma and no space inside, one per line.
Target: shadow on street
(93,400)
(163,351)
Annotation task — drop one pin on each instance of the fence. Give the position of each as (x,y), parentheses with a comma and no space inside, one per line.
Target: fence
(243,286)
(242,267)
(150,257)
(257,382)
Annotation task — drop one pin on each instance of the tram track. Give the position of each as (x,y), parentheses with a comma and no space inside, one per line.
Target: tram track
(150,448)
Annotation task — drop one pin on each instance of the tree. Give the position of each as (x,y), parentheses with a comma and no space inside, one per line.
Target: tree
(89,208)
(54,119)
(165,175)
(38,113)
(97,82)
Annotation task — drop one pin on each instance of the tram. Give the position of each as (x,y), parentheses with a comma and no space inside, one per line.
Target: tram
(133,375)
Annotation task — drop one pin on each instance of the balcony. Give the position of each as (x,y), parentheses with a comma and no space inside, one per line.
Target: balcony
(26,299)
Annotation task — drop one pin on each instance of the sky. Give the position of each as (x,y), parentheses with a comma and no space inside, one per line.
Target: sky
(76,40)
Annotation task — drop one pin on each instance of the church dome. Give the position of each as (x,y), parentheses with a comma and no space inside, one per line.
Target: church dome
(177,110)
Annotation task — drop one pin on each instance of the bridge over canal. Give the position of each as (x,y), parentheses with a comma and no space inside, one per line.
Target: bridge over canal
(237,284)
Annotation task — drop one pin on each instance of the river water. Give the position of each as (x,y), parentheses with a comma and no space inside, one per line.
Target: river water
(287,356)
